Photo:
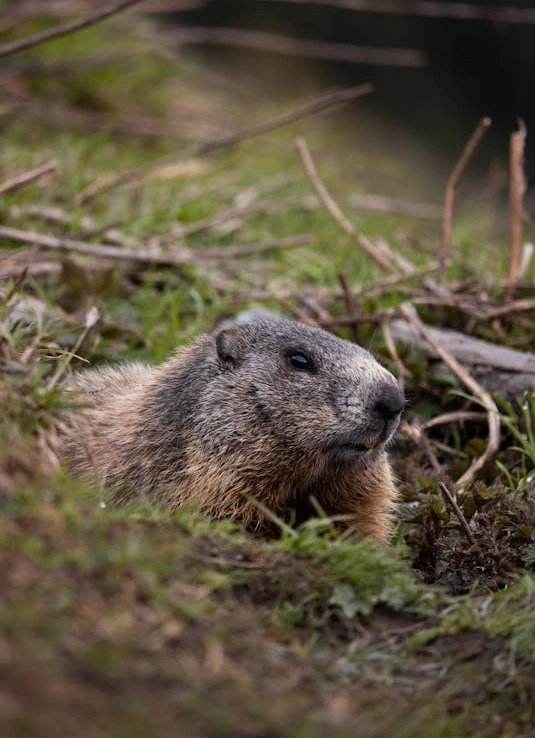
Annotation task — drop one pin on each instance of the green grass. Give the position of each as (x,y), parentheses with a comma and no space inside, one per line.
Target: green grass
(137,622)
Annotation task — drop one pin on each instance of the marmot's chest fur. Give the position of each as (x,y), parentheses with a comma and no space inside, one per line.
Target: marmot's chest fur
(269,410)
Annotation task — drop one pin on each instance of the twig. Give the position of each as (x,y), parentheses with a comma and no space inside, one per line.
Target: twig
(221,217)
(225,252)
(391,347)
(378,317)
(336,213)
(458,416)
(517,188)
(432,9)
(517,306)
(181,256)
(21,180)
(103,250)
(449,197)
(384,285)
(395,206)
(316,308)
(470,383)
(351,304)
(450,498)
(418,435)
(14,47)
(314,107)
(56,215)
(26,9)
(91,318)
(137,126)
(527,253)
(301,315)
(279,44)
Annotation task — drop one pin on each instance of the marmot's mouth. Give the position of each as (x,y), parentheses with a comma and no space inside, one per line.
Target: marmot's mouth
(361,448)
(373,442)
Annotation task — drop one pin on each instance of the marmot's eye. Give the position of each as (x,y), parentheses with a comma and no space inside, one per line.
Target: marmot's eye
(300,361)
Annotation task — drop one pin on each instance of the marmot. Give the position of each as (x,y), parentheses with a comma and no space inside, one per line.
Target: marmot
(269,410)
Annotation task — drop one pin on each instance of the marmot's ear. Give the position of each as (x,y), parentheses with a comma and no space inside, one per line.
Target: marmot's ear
(230,346)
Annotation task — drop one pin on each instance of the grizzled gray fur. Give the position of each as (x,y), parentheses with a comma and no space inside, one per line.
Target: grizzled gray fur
(269,410)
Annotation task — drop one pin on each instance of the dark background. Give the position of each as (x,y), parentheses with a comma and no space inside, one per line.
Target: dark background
(474,67)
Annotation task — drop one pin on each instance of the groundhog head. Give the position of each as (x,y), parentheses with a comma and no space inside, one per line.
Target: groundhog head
(310,391)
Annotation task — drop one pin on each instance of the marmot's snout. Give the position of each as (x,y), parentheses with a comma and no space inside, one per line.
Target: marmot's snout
(389,404)
(390,401)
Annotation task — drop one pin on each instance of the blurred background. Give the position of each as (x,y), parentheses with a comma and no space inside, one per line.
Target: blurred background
(438,67)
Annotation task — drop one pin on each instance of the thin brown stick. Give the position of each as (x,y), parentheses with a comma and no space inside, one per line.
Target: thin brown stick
(221,217)
(449,450)
(26,178)
(319,105)
(449,197)
(403,372)
(525,258)
(48,241)
(431,9)
(91,318)
(458,416)
(450,498)
(180,256)
(336,213)
(470,383)
(419,436)
(14,47)
(384,285)
(25,9)
(279,44)
(351,304)
(517,188)
(395,206)
(518,306)
(359,319)
(136,126)
(252,250)
(315,307)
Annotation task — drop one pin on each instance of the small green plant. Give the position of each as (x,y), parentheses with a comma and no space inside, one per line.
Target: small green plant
(520,422)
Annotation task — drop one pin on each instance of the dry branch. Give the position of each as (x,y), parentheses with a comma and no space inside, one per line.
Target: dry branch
(26,178)
(14,47)
(457,416)
(47,241)
(450,498)
(418,435)
(449,198)
(336,213)
(351,304)
(402,370)
(138,126)
(279,44)
(474,352)
(431,9)
(180,255)
(231,252)
(471,385)
(396,206)
(314,107)
(517,188)
(504,371)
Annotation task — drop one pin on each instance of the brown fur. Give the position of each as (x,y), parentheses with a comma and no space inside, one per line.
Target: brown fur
(235,418)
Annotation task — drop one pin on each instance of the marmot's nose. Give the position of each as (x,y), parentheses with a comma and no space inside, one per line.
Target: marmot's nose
(389,401)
